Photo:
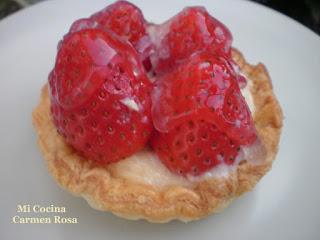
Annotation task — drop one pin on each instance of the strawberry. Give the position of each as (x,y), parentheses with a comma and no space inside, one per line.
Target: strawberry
(190,31)
(194,147)
(195,106)
(100,96)
(124,19)
(127,21)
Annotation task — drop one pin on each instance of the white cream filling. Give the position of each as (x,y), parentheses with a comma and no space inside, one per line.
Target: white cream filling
(145,167)
(246,93)
(130,103)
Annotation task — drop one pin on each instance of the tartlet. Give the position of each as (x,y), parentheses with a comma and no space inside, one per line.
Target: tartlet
(107,188)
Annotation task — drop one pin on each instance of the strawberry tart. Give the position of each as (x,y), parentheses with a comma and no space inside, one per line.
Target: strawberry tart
(156,121)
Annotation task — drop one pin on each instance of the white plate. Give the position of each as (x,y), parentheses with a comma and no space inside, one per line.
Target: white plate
(284,205)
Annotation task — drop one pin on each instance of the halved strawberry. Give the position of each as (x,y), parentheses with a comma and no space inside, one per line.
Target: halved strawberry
(100,96)
(190,31)
(204,91)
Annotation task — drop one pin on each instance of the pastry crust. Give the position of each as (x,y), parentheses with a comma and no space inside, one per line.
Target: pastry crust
(104,190)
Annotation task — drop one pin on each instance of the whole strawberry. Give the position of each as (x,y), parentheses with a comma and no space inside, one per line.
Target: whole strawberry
(201,117)
(125,20)
(100,96)
(190,31)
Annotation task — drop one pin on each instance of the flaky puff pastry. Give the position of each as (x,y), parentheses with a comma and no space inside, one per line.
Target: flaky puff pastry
(105,190)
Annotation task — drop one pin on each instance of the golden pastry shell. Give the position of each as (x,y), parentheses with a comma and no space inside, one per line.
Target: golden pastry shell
(106,191)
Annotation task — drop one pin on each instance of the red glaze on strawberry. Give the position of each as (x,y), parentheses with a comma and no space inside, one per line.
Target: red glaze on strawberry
(194,147)
(100,96)
(202,89)
(190,31)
